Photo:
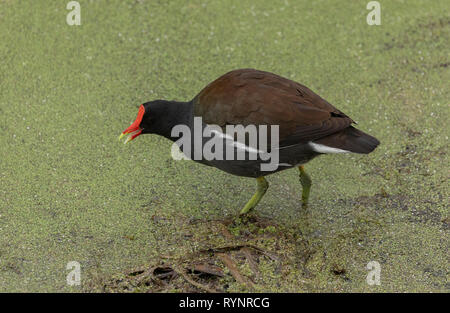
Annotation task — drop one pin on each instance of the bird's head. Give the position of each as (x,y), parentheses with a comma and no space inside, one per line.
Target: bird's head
(149,116)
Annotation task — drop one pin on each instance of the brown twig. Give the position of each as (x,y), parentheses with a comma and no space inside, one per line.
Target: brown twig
(226,259)
(251,261)
(183,273)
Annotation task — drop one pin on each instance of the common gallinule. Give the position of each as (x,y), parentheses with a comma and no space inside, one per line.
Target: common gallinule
(296,123)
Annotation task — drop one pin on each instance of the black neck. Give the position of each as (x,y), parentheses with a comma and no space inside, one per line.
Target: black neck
(174,113)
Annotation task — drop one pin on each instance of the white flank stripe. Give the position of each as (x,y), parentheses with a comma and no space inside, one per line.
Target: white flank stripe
(236,144)
(222,135)
(325,149)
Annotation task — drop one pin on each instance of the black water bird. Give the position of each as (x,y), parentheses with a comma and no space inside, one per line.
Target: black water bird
(308,125)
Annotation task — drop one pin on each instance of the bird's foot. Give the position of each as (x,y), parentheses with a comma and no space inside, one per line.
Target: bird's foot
(260,191)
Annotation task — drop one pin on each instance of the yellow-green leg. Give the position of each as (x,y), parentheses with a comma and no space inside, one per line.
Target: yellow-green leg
(305,180)
(260,191)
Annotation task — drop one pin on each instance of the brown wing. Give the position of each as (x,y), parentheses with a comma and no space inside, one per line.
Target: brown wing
(249,96)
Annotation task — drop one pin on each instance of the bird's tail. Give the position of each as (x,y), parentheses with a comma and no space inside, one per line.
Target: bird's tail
(350,139)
